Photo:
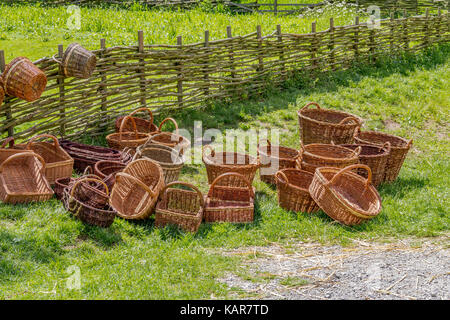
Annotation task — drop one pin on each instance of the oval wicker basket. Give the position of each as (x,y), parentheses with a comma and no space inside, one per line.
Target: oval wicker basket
(77,62)
(169,159)
(273,159)
(105,168)
(124,140)
(169,139)
(344,195)
(375,158)
(293,190)
(92,191)
(183,208)
(316,155)
(325,125)
(137,188)
(225,203)
(22,79)
(142,125)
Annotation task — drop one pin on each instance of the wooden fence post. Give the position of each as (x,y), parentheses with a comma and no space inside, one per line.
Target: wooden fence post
(260,53)
(405,31)
(60,81)
(205,69)
(281,57)
(275,7)
(356,41)
(141,70)
(6,106)
(438,26)
(426,33)
(391,24)
(179,66)
(230,55)
(331,45)
(313,46)
(372,45)
(103,92)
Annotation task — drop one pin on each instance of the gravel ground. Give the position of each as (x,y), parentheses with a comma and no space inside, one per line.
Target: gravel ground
(364,271)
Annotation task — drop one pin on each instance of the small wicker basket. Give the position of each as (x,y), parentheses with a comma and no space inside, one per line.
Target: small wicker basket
(169,139)
(293,190)
(180,207)
(60,185)
(325,125)
(344,195)
(122,140)
(77,62)
(142,125)
(230,204)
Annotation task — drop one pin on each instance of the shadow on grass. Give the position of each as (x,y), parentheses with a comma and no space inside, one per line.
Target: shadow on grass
(400,187)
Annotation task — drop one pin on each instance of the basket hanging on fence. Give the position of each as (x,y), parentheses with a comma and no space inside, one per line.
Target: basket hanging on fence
(77,62)
(397,155)
(22,79)
(293,190)
(169,139)
(325,125)
(180,207)
(22,179)
(122,140)
(275,156)
(344,195)
(316,155)
(142,125)
(101,217)
(58,163)
(87,156)
(218,163)
(137,188)
(225,203)
(374,157)
(169,159)
(5,153)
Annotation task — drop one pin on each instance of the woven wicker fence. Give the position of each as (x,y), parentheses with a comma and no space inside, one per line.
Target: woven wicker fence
(179,76)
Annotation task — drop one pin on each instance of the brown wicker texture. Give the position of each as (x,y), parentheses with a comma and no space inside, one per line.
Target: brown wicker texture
(293,190)
(105,168)
(2,92)
(58,163)
(60,185)
(375,158)
(103,217)
(218,163)
(230,204)
(22,179)
(317,155)
(325,125)
(344,195)
(78,62)
(173,140)
(169,159)
(399,150)
(180,207)
(92,192)
(122,140)
(137,188)
(142,125)
(22,79)
(5,153)
(274,158)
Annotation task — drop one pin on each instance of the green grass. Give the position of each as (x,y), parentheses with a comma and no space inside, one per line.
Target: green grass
(38,242)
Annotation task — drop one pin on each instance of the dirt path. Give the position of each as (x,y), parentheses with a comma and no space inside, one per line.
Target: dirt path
(402,270)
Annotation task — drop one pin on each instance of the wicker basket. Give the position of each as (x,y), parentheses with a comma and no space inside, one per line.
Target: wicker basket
(142,125)
(324,125)
(124,140)
(218,163)
(293,190)
(102,217)
(318,155)
(230,204)
(22,179)
(92,192)
(58,163)
(169,159)
(274,158)
(61,185)
(137,188)
(180,207)
(22,79)
(375,158)
(77,62)
(344,195)
(399,150)
(105,168)
(169,139)
(5,153)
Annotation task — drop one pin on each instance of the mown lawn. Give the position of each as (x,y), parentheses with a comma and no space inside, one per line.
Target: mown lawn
(406,96)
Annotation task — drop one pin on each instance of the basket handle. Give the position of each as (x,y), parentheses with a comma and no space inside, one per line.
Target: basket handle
(213,152)
(387,146)
(348,168)
(56,60)
(228,174)
(24,154)
(173,121)
(187,184)
(88,180)
(278,173)
(409,143)
(123,175)
(87,171)
(349,118)
(357,151)
(122,126)
(311,103)
(55,141)
(9,140)
(143,109)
